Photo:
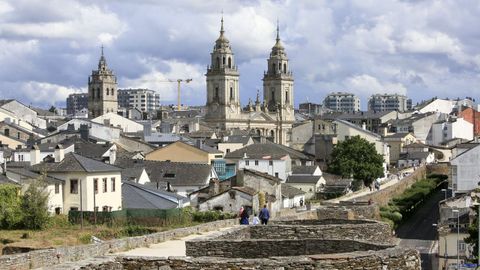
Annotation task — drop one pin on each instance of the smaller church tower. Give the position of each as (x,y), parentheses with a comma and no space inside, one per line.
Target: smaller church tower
(102,90)
(278,83)
(223,95)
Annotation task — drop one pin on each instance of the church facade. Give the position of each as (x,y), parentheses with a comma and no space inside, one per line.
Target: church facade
(273,117)
(102,90)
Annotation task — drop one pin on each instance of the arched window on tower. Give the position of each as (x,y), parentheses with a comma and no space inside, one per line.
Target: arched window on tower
(223,61)
(229,62)
(108,91)
(274,68)
(273,94)
(286,97)
(284,68)
(98,92)
(218,63)
(231,93)
(216,92)
(113,92)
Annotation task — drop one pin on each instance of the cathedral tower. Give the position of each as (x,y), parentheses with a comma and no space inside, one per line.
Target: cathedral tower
(102,90)
(278,83)
(223,99)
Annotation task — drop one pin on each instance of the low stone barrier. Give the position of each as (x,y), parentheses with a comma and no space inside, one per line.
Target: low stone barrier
(348,210)
(387,259)
(50,257)
(264,248)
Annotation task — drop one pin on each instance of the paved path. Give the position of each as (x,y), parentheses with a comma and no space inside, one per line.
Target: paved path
(366,191)
(167,248)
(417,232)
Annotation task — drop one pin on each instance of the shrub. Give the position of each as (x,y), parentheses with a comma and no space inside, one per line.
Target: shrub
(34,206)
(85,238)
(11,214)
(136,230)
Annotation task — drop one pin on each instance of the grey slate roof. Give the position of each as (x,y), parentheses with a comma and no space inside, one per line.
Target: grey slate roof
(304,169)
(290,192)
(359,128)
(415,156)
(91,150)
(177,173)
(137,196)
(307,179)
(129,174)
(266,150)
(76,163)
(31,174)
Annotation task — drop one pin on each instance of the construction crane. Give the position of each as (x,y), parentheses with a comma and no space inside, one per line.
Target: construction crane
(179,81)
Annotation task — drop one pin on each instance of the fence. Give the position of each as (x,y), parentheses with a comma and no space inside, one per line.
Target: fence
(146,217)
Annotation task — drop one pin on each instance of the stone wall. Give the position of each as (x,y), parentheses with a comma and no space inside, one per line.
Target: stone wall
(388,259)
(264,248)
(50,257)
(348,210)
(382,197)
(373,232)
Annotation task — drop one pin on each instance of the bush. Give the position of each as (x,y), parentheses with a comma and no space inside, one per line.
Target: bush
(35,206)
(11,214)
(85,238)
(136,230)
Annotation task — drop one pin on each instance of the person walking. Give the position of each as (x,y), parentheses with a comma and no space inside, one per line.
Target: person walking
(244,217)
(264,215)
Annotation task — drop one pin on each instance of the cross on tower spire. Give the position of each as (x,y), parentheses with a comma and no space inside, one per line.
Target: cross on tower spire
(278,32)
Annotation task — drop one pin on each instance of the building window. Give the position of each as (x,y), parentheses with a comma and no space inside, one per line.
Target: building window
(229,62)
(95,185)
(276,174)
(58,211)
(112,180)
(256,162)
(18,135)
(270,162)
(57,188)
(228,150)
(216,92)
(108,91)
(73,186)
(247,162)
(231,93)
(73,208)
(104,185)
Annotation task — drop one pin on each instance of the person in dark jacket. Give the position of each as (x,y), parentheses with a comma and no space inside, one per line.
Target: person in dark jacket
(264,215)
(244,217)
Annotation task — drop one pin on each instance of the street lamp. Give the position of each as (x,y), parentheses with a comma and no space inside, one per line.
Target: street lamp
(458,236)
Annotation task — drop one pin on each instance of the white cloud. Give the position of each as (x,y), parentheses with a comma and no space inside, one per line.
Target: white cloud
(365,85)
(45,93)
(165,82)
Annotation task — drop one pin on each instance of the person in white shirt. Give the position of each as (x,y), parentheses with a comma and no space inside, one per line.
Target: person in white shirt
(256,220)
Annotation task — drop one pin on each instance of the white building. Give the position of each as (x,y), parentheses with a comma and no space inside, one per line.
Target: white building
(465,170)
(342,102)
(115,120)
(389,102)
(454,128)
(145,100)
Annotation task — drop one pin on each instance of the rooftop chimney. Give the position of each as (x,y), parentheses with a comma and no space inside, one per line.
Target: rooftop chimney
(213,187)
(59,153)
(113,154)
(84,132)
(34,155)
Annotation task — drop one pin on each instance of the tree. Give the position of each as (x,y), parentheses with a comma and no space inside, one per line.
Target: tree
(11,214)
(35,205)
(52,109)
(358,158)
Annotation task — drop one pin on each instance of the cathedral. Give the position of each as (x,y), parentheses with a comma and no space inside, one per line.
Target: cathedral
(273,117)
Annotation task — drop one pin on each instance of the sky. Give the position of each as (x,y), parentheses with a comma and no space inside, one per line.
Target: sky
(421,48)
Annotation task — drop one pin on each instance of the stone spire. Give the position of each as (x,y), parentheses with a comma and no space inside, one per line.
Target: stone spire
(102,63)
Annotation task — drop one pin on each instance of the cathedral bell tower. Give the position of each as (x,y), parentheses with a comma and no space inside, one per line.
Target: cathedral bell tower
(278,83)
(102,90)
(223,100)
